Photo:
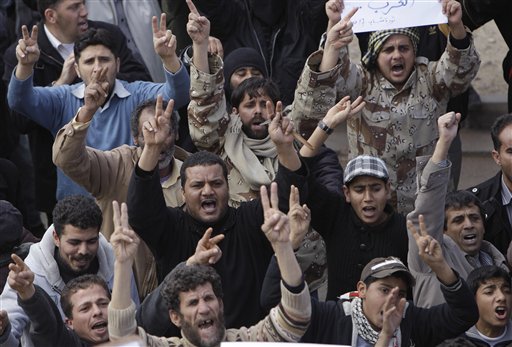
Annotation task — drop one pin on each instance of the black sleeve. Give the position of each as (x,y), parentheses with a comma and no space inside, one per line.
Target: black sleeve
(271,288)
(326,169)
(47,326)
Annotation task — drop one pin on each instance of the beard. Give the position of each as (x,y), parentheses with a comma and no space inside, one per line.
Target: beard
(166,161)
(191,332)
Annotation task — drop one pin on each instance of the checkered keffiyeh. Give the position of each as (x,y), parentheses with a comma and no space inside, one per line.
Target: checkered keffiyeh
(365,165)
(377,39)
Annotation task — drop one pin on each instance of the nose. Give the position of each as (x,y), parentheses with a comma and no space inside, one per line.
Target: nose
(367,194)
(468,224)
(96,310)
(82,248)
(203,308)
(83,11)
(258,108)
(500,296)
(207,189)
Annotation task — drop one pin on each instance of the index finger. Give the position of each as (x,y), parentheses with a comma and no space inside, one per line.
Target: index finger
(154,24)
(206,236)
(264,198)
(216,239)
(192,7)
(117,214)
(412,229)
(124,216)
(18,261)
(159,105)
(170,107)
(24,32)
(350,13)
(163,24)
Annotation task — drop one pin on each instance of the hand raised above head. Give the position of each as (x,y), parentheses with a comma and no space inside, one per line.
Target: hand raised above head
(124,240)
(27,50)
(343,110)
(448,126)
(276,224)
(280,128)
(341,34)
(299,217)
(198,27)
(156,129)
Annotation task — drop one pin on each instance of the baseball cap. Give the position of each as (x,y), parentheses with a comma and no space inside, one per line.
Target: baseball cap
(365,165)
(385,267)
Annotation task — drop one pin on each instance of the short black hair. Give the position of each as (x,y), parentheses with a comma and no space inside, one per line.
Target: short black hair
(399,274)
(480,275)
(94,37)
(77,210)
(460,199)
(254,87)
(43,5)
(202,158)
(187,277)
(497,127)
(151,104)
(73,286)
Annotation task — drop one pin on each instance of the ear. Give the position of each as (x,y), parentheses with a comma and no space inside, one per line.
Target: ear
(69,323)
(56,239)
(388,190)
(49,16)
(496,157)
(234,110)
(135,141)
(77,70)
(346,193)
(361,288)
(175,318)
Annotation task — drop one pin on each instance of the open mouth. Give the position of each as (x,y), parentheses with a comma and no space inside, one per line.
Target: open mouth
(209,205)
(83,26)
(501,312)
(470,239)
(100,326)
(397,68)
(206,324)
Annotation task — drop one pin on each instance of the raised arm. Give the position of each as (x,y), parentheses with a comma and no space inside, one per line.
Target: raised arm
(164,42)
(198,28)
(27,52)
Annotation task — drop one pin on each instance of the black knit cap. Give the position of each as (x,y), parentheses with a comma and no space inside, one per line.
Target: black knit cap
(242,57)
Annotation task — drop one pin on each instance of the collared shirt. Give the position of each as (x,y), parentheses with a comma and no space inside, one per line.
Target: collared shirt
(119,90)
(64,49)
(506,197)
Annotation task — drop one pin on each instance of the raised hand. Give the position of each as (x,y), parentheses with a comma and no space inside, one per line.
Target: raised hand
(207,250)
(96,92)
(21,278)
(156,130)
(299,217)
(428,248)
(453,11)
(341,34)
(276,225)
(448,125)
(198,27)
(164,43)
(392,314)
(280,128)
(215,46)
(68,73)
(27,50)
(344,109)
(333,9)
(124,240)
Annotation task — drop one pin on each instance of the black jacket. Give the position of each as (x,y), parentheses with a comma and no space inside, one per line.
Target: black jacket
(284,41)
(498,230)
(419,327)
(350,243)
(172,235)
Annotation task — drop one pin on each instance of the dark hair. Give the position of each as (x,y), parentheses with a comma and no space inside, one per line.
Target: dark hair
(151,104)
(76,210)
(497,127)
(457,342)
(43,5)
(480,275)
(187,277)
(254,87)
(94,37)
(460,199)
(73,286)
(202,158)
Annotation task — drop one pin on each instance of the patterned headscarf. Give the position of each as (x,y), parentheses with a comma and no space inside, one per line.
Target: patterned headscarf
(377,39)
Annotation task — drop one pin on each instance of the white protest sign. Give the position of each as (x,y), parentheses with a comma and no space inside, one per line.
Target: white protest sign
(380,15)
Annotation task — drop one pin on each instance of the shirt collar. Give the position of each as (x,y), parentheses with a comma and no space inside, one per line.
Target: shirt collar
(64,49)
(119,90)
(506,195)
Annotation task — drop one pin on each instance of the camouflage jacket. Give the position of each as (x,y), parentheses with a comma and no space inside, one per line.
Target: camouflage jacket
(395,125)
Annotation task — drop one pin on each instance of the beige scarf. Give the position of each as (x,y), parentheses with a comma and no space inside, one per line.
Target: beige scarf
(245,152)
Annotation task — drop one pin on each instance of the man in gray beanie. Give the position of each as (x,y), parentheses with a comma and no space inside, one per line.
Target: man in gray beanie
(404,94)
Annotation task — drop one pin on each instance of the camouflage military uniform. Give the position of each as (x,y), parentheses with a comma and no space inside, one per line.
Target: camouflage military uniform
(395,125)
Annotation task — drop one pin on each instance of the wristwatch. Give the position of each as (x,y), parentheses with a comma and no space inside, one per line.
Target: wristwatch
(325,127)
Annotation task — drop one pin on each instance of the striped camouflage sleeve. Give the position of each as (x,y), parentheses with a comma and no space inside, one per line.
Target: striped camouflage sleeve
(287,322)
(207,115)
